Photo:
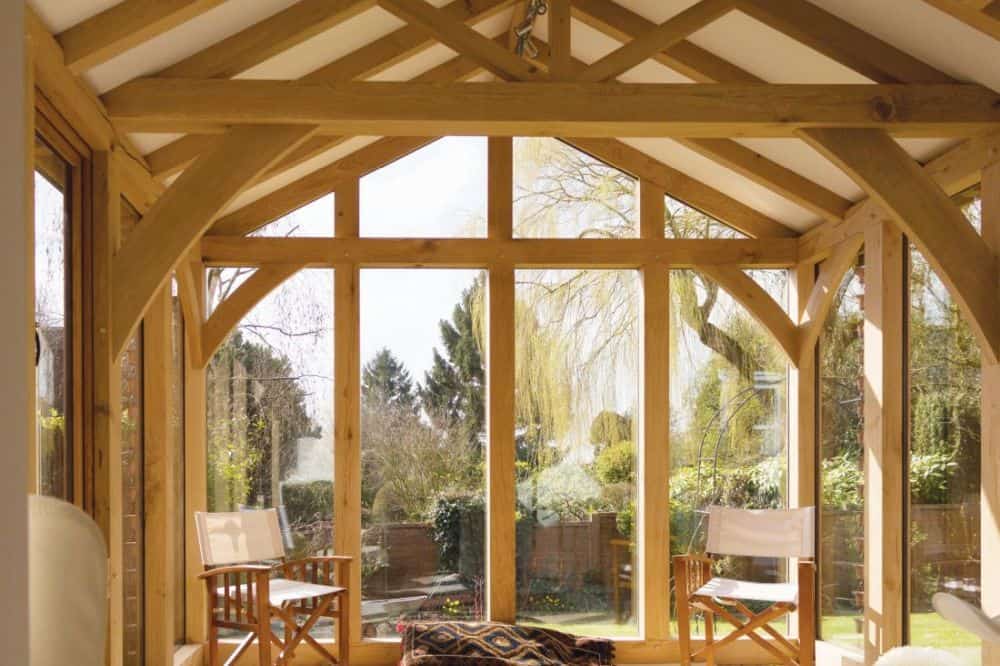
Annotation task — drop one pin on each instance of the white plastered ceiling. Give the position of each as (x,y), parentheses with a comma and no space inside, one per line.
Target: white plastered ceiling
(909,25)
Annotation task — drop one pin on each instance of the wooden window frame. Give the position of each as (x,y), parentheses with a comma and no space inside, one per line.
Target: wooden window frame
(655,642)
(53,129)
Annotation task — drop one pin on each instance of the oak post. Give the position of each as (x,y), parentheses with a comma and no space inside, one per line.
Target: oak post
(884,448)
(801,410)
(195,463)
(990,480)
(158,475)
(347,394)
(653,548)
(500,492)
(107,392)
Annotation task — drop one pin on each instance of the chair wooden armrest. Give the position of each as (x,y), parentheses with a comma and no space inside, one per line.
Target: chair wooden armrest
(320,569)
(690,573)
(236,569)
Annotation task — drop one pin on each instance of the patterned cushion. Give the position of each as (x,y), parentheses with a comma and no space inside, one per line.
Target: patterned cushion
(490,644)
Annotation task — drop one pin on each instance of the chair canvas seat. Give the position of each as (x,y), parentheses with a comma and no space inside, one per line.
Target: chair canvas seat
(727,588)
(282,590)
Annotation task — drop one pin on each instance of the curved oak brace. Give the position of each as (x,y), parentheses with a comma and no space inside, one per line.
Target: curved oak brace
(820,301)
(229,313)
(745,291)
(178,219)
(922,210)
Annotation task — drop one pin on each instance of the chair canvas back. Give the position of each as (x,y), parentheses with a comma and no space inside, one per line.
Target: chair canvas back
(761,533)
(239,537)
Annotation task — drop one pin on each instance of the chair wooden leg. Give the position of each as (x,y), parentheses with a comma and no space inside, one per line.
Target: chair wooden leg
(709,638)
(344,629)
(263,620)
(683,609)
(807,613)
(213,644)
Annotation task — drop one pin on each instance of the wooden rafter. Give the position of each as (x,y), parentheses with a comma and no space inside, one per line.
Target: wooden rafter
(931,221)
(228,313)
(367,61)
(124,26)
(73,98)
(269,37)
(781,180)
(840,41)
(460,37)
(824,290)
(174,224)
(954,171)
(479,252)
(983,16)
(554,108)
(686,58)
(670,32)
(561,66)
(678,185)
(621,24)
(761,306)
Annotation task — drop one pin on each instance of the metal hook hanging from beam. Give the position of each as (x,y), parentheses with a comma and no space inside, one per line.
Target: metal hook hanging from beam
(524,46)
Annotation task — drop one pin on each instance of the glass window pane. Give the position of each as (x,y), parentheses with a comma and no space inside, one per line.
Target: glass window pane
(576,401)
(422,446)
(52,376)
(269,408)
(133,552)
(944,460)
(728,419)
(561,192)
(315,219)
(841,412)
(686,222)
(438,191)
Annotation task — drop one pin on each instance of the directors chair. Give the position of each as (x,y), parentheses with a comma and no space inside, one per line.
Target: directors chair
(763,533)
(244,596)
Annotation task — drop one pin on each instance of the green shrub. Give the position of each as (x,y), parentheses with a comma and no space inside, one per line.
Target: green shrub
(308,502)
(458,528)
(616,463)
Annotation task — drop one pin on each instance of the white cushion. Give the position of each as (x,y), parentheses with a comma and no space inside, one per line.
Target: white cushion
(917,656)
(67,584)
(967,616)
(727,588)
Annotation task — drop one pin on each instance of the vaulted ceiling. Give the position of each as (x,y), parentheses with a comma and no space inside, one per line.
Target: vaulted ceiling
(777,180)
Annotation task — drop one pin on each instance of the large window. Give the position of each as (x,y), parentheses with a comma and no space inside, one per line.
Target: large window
(422,444)
(270,411)
(728,417)
(53,374)
(944,459)
(577,359)
(841,454)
